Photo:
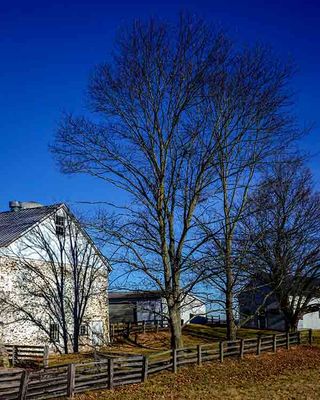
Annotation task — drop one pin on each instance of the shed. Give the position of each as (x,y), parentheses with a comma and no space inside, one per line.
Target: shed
(139,306)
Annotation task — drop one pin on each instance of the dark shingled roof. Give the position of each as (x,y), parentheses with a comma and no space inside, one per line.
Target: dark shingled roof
(153,294)
(13,224)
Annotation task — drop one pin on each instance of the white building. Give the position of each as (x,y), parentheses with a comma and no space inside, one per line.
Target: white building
(44,251)
(270,315)
(149,306)
(310,320)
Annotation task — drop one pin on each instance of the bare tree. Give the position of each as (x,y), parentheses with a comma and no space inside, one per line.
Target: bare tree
(251,121)
(172,103)
(283,228)
(59,275)
(152,142)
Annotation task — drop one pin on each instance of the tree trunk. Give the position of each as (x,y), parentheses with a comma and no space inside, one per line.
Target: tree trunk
(291,319)
(293,324)
(175,326)
(231,326)
(76,344)
(65,342)
(76,340)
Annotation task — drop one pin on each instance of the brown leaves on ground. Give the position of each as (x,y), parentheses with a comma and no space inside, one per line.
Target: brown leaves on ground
(286,375)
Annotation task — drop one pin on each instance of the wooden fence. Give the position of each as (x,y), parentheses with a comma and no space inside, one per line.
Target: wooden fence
(21,353)
(117,371)
(125,329)
(10,381)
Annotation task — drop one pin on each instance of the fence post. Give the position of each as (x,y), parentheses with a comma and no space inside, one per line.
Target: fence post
(221,351)
(299,337)
(258,345)
(144,326)
(274,343)
(112,332)
(310,336)
(128,329)
(111,371)
(241,348)
(14,355)
(145,368)
(23,385)
(174,360)
(71,380)
(287,340)
(157,326)
(199,354)
(46,356)
(135,338)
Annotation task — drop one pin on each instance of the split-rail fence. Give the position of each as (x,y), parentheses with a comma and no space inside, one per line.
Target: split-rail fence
(125,329)
(24,353)
(111,372)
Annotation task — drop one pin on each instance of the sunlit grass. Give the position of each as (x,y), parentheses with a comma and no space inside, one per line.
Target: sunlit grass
(151,342)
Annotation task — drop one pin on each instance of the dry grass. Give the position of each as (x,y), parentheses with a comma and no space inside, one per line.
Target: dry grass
(60,359)
(316,337)
(286,375)
(219,333)
(151,342)
(193,334)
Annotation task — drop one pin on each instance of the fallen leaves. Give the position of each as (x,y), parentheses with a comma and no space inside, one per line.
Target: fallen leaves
(285,375)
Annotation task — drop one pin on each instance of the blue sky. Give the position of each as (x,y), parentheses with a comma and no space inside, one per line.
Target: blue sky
(49,48)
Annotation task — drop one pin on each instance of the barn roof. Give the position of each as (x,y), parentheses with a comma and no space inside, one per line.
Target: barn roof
(155,294)
(13,224)
(141,295)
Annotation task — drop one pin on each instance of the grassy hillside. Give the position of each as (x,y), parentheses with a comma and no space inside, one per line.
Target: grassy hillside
(151,342)
(219,333)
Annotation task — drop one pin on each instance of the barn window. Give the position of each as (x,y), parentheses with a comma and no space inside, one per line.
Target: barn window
(54,332)
(84,330)
(60,225)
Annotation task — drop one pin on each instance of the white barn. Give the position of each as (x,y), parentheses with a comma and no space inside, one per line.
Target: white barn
(310,320)
(137,306)
(21,230)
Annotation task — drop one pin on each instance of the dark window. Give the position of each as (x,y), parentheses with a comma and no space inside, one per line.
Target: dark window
(60,228)
(54,332)
(84,330)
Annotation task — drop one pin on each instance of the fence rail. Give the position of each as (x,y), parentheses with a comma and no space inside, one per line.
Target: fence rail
(10,383)
(110,372)
(125,329)
(18,353)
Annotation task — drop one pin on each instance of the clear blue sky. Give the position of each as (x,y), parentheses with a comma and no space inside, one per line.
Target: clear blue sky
(49,47)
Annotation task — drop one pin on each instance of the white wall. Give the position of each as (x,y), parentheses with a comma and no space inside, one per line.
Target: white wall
(11,283)
(190,305)
(310,321)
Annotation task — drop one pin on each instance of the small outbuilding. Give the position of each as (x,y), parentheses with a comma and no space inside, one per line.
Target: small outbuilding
(265,311)
(149,306)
